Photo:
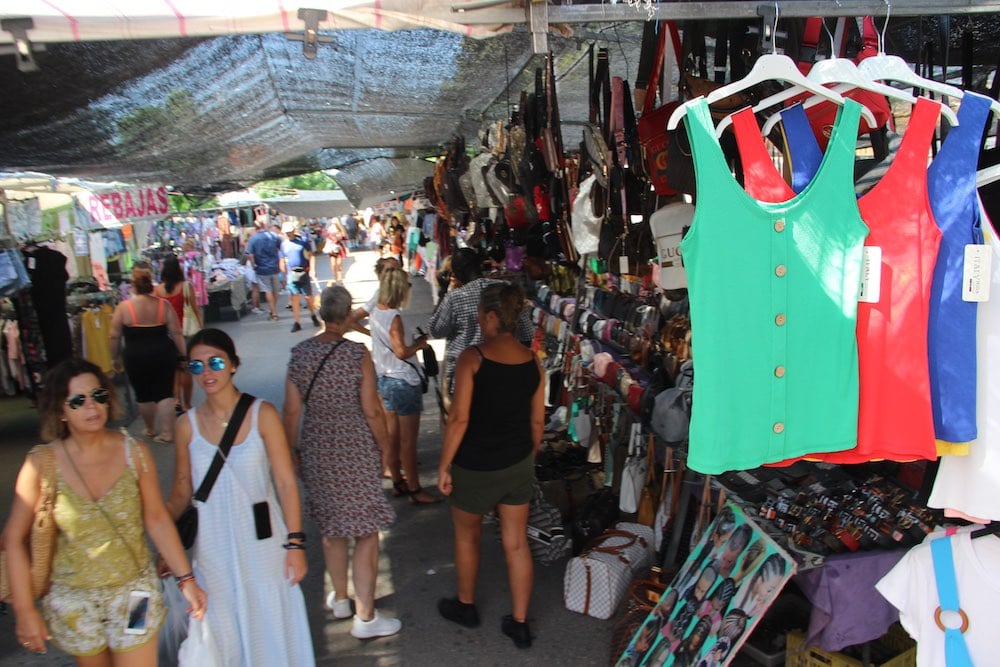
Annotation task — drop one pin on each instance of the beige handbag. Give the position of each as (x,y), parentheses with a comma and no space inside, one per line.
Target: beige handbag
(43,532)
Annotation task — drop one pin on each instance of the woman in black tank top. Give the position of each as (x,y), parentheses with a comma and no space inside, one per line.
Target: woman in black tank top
(487,461)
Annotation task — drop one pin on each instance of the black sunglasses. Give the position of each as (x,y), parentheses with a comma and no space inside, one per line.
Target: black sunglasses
(100,395)
(198,367)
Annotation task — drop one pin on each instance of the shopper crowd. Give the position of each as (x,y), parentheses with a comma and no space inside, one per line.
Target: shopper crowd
(349,418)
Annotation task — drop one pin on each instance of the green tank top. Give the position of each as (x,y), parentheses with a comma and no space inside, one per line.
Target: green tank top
(89,552)
(773,291)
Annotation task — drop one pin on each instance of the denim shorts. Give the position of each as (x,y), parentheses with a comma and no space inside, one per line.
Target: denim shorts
(303,287)
(400,396)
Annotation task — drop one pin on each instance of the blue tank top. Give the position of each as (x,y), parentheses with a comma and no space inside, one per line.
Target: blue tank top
(951,328)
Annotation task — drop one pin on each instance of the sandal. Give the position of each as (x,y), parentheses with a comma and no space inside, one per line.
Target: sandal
(414,500)
(400,489)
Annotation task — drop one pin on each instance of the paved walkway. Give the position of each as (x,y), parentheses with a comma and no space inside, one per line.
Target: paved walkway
(416,563)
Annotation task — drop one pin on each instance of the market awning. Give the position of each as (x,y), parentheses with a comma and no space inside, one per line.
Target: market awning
(312,204)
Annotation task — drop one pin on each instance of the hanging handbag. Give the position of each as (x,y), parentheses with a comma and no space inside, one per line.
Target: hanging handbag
(653,122)
(648,498)
(634,472)
(42,540)
(187,522)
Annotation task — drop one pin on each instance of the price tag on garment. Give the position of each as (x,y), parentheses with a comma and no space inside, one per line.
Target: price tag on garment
(976,274)
(31,263)
(871,275)
(623,264)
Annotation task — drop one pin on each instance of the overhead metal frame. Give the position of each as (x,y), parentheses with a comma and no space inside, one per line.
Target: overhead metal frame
(475,13)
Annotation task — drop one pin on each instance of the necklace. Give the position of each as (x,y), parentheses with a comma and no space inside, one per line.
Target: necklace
(223,421)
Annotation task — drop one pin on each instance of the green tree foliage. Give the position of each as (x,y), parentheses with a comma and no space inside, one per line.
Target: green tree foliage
(316,180)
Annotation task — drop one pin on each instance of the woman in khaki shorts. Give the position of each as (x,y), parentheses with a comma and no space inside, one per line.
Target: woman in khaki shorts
(487,460)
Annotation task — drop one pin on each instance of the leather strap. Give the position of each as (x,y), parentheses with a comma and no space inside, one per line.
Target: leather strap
(235,421)
(586,600)
(668,27)
(956,652)
(305,399)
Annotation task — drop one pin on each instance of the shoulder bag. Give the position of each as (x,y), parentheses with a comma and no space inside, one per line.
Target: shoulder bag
(43,532)
(187,522)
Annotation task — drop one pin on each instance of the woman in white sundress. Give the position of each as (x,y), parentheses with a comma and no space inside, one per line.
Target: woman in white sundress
(257,617)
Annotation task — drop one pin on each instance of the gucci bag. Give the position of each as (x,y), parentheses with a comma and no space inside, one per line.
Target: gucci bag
(43,532)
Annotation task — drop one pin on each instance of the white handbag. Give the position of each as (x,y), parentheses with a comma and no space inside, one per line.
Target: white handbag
(596,580)
(633,473)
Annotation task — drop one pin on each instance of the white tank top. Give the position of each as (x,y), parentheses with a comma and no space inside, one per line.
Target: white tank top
(386,362)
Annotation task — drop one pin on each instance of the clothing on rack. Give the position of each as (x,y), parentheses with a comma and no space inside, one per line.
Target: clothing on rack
(47,270)
(781,385)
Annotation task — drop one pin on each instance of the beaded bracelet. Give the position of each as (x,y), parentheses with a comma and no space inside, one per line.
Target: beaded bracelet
(292,546)
(183,580)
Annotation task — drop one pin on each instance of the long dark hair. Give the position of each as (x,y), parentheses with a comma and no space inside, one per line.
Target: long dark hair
(171,273)
(218,339)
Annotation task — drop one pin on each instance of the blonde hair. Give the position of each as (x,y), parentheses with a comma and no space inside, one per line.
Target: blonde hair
(506,300)
(393,288)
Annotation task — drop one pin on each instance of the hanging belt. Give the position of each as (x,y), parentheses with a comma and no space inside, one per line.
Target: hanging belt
(956,652)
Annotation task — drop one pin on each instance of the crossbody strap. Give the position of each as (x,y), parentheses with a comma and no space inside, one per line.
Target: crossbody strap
(305,399)
(956,652)
(421,376)
(235,421)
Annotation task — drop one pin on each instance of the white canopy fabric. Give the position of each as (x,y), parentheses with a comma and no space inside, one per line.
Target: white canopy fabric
(93,20)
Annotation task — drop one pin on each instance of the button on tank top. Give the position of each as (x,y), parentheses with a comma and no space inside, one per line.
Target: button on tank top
(894,417)
(773,290)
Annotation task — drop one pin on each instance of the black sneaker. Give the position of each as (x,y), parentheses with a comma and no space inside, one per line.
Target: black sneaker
(519,632)
(296,327)
(459,612)
(315,321)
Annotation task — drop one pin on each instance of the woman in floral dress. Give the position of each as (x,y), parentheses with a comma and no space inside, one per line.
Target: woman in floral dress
(331,388)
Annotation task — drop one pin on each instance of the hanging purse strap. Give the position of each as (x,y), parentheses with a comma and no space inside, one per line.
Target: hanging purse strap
(956,652)
(232,428)
(305,399)
(667,28)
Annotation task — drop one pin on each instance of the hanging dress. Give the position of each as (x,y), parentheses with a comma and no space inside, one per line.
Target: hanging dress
(966,486)
(773,291)
(894,417)
(951,334)
(254,618)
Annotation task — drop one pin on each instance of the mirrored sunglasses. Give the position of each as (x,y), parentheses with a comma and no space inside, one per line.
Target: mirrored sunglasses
(100,395)
(198,367)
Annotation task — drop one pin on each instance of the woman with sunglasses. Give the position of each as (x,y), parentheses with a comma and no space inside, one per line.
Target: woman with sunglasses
(107,500)
(250,547)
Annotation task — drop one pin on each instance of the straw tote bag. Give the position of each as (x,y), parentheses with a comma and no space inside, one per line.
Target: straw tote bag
(43,532)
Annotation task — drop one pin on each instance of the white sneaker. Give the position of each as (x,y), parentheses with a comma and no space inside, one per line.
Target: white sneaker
(340,608)
(256,311)
(377,627)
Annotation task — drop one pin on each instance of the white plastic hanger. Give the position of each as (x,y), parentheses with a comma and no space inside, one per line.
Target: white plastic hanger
(847,75)
(883,67)
(769,67)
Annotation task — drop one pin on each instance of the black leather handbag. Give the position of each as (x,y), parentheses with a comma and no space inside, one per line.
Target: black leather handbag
(598,512)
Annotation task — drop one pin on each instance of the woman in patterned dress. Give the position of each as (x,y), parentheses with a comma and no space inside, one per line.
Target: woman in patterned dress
(331,383)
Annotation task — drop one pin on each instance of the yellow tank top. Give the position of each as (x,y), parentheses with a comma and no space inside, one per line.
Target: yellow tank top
(90,553)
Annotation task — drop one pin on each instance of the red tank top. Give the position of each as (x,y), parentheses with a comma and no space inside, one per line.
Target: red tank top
(177,303)
(894,417)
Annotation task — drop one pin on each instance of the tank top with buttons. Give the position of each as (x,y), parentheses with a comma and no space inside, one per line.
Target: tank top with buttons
(773,290)
(894,416)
